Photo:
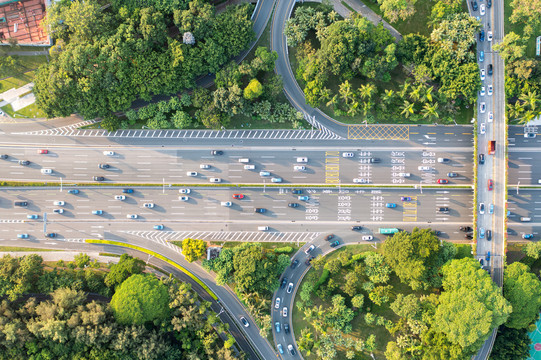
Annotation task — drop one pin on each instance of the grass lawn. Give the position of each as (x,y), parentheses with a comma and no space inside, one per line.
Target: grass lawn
(265,245)
(16,81)
(518,28)
(418,23)
(31,111)
(359,326)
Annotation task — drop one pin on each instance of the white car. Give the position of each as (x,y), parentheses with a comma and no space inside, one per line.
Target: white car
(367,237)
(489,36)
(482,9)
(277,303)
(226,203)
(483,91)
(284,311)
(120,197)
(191,173)
(264,173)
(490,116)
(483,108)
(360,181)
(47,171)
(132,216)
(348,154)
(299,167)
(483,74)
(276,180)
(204,166)
(215,180)
(148,205)
(58,211)
(482,208)
(483,129)
(489,90)
(404,175)
(108,153)
(184,191)
(424,168)
(302,159)
(183,198)
(59,203)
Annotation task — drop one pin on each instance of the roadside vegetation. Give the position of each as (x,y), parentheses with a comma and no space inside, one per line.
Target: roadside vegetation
(522,66)
(253,272)
(357,72)
(107,57)
(84,310)
(413,298)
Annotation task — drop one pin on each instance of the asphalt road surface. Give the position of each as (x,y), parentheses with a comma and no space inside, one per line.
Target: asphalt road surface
(171,166)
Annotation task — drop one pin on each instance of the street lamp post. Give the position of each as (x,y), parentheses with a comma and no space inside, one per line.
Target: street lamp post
(60,184)
(421,186)
(518,186)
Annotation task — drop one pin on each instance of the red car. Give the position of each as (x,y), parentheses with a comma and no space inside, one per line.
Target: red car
(443,181)
(238,196)
(490,185)
(43,151)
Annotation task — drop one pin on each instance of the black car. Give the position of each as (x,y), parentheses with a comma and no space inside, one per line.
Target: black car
(468,236)
(296,191)
(3,156)
(465,228)
(216,152)
(329,237)
(474,5)
(98,178)
(309,260)
(356,227)
(294,263)
(260,210)
(24,162)
(103,166)
(335,244)
(375,160)
(21,203)
(127,191)
(437,232)
(286,328)
(50,235)
(443,210)
(490,69)
(293,205)
(489,3)
(481,159)
(489,235)
(482,35)
(283,283)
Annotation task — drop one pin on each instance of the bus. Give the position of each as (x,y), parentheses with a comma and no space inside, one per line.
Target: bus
(388,231)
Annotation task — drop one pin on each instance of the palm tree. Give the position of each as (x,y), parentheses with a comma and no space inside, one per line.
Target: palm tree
(430,111)
(428,94)
(388,96)
(367,106)
(354,108)
(416,93)
(530,100)
(333,101)
(404,89)
(407,109)
(325,94)
(367,90)
(332,16)
(345,91)
(515,111)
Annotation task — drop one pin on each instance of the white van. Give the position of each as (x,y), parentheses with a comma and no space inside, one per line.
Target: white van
(249,167)
(47,171)
(244,160)
(263,228)
(525,219)
(302,159)
(424,168)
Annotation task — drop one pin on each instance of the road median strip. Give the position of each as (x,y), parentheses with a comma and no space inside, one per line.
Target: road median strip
(156,255)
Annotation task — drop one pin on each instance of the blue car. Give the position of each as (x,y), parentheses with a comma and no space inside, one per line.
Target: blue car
(487,258)
(527,236)
(491,209)
(390,205)
(296,191)
(127,191)
(481,233)
(97,212)
(304,198)
(32,216)
(158,227)
(22,236)
(482,35)
(481,56)
(278,326)
(280,348)
(73,191)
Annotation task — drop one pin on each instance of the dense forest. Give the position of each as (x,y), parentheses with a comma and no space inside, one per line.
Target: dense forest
(105,57)
(54,313)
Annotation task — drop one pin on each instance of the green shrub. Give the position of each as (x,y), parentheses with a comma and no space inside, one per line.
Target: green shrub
(283,250)
(324,276)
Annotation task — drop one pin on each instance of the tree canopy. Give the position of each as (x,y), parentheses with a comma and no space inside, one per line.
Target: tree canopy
(193,249)
(417,257)
(471,305)
(140,299)
(523,290)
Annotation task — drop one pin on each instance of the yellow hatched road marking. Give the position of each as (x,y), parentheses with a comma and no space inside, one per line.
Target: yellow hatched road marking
(378,132)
